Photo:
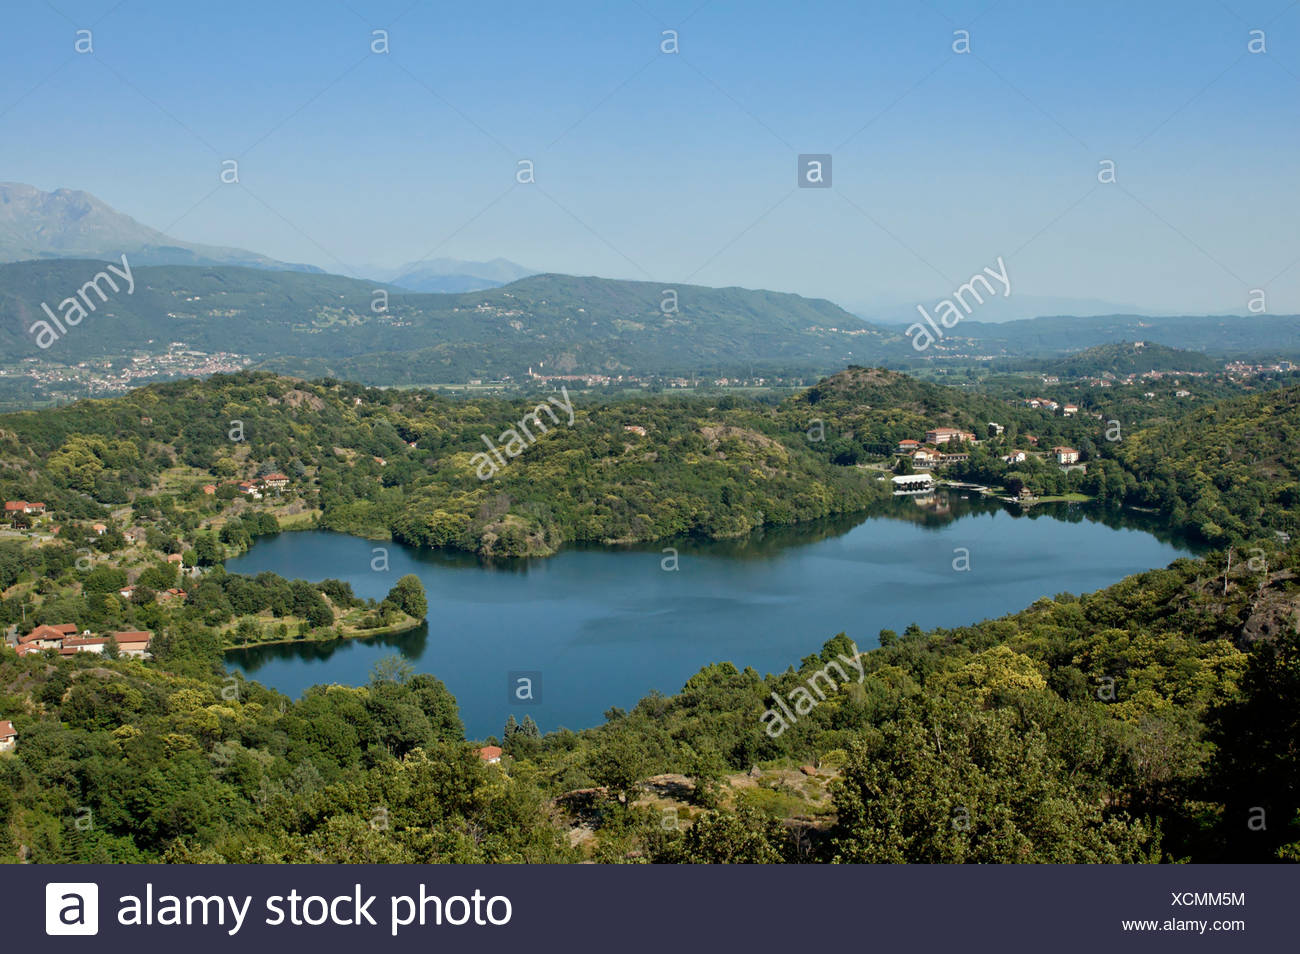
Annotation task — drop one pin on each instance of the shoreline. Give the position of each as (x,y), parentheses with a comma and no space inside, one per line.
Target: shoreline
(396,629)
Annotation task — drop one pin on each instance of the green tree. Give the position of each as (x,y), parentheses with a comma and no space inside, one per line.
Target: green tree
(408,596)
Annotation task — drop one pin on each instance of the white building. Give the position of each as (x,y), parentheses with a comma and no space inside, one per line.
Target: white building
(913,483)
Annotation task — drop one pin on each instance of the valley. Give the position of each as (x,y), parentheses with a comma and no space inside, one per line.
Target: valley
(736,523)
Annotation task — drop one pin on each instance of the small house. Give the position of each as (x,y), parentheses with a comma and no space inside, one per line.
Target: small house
(8,736)
(1066,455)
(491,754)
(83,644)
(49,637)
(134,643)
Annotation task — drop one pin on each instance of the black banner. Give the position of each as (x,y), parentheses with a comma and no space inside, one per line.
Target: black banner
(145,908)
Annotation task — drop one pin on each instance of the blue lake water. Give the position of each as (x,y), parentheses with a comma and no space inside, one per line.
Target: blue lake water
(603,626)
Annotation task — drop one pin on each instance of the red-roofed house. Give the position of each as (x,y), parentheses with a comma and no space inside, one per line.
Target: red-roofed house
(908,446)
(942,435)
(23,506)
(490,754)
(133,643)
(49,637)
(275,481)
(1066,455)
(8,736)
(83,644)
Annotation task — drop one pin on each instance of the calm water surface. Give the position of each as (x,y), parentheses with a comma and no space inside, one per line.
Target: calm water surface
(604,626)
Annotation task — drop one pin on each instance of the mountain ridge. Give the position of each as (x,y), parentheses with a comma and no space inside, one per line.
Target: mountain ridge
(69,223)
(327,325)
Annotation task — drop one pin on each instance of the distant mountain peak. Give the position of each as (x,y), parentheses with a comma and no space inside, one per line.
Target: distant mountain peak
(71,223)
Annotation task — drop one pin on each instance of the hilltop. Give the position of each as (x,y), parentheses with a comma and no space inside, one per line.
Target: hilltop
(1145,722)
(68,223)
(1228,336)
(406,464)
(1122,358)
(326,325)
(1229,469)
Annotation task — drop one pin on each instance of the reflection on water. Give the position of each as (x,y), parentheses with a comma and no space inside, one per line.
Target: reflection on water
(605,625)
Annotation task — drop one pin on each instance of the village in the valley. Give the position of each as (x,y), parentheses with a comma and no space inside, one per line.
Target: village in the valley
(66,639)
(916,461)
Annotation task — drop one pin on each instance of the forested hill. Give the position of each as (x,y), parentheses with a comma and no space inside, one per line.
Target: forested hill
(412,464)
(1219,335)
(1120,358)
(1152,721)
(407,463)
(319,325)
(1231,469)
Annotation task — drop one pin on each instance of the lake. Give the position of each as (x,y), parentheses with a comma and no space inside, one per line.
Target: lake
(603,626)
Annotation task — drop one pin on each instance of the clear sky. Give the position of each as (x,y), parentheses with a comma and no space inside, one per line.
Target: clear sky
(681,166)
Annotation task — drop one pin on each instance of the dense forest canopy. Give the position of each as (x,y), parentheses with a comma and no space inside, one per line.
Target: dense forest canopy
(1153,721)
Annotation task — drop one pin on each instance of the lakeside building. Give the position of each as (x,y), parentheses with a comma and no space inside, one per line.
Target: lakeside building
(913,483)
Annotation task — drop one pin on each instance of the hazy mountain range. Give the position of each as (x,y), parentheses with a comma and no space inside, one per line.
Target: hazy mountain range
(314,324)
(444,274)
(67,223)
(997,308)
(462,321)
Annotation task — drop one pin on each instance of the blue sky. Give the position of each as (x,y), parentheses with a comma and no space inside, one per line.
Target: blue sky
(682,167)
